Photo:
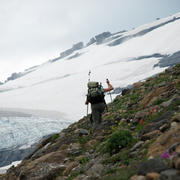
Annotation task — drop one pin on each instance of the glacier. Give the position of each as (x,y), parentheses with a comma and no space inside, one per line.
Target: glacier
(21,130)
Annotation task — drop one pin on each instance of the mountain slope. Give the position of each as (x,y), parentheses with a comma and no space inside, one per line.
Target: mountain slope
(135,128)
(46,98)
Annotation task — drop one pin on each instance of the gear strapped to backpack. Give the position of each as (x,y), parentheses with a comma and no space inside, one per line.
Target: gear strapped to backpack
(95,93)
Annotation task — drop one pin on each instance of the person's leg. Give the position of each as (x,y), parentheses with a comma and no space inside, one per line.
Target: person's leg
(97,110)
(95,114)
(101,109)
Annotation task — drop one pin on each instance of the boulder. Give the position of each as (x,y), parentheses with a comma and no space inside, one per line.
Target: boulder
(164,141)
(150,135)
(170,174)
(170,101)
(176,118)
(136,177)
(81,132)
(152,165)
(137,145)
(95,170)
(69,168)
(152,176)
(176,162)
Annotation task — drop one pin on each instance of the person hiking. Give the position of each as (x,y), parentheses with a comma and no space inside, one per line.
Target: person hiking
(95,96)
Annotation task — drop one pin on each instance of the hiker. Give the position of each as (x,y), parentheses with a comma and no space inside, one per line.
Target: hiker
(95,96)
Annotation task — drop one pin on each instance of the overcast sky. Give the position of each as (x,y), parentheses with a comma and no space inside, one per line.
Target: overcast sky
(34,31)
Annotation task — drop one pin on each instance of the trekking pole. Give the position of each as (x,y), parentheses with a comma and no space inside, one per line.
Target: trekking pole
(89,74)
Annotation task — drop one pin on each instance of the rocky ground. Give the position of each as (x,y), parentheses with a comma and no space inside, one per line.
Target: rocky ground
(139,139)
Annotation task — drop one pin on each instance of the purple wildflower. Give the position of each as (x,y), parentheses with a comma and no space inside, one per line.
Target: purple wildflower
(165,155)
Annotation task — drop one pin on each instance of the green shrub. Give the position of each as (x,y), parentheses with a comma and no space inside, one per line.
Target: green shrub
(83,140)
(84,160)
(118,140)
(54,137)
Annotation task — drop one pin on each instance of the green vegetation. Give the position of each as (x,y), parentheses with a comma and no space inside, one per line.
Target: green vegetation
(118,140)
(83,139)
(84,160)
(54,137)
(120,173)
(158,101)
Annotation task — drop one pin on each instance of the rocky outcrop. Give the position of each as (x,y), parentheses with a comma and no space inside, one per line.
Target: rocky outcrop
(98,39)
(75,47)
(101,37)
(141,33)
(92,41)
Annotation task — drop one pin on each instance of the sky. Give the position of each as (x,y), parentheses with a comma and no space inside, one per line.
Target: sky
(35,31)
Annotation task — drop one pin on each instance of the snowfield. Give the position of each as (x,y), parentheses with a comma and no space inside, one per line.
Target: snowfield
(54,93)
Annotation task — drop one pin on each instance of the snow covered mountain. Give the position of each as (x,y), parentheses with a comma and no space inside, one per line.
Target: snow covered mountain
(52,95)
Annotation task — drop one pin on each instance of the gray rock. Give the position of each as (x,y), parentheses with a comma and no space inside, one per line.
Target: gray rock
(137,145)
(78,46)
(134,153)
(66,53)
(169,102)
(172,148)
(81,132)
(92,40)
(162,84)
(95,170)
(164,127)
(169,60)
(170,174)
(84,177)
(100,37)
(152,165)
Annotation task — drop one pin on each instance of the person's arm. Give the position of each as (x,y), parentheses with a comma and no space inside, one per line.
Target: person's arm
(110,87)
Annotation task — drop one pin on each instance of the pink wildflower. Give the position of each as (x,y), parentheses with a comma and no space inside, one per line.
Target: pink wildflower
(165,155)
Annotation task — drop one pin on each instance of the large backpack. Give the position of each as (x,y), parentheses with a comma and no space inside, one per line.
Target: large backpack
(95,93)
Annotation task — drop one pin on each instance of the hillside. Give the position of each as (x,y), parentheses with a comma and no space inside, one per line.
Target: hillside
(139,135)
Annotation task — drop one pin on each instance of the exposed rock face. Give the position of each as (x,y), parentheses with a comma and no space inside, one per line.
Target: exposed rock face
(66,53)
(9,156)
(70,51)
(100,37)
(92,40)
(78,46)
(141,33)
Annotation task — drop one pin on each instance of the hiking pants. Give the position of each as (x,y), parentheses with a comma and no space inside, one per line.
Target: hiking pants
(97,110)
